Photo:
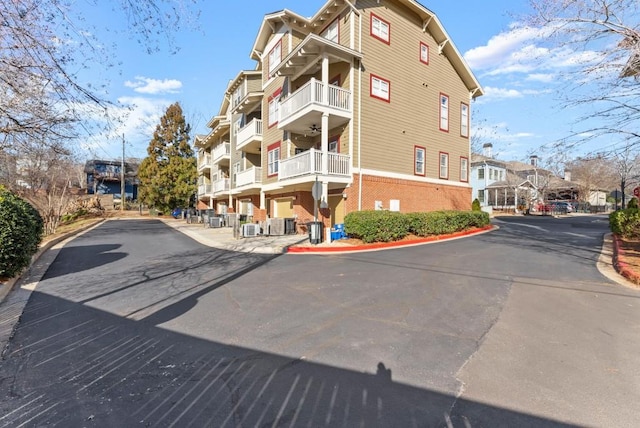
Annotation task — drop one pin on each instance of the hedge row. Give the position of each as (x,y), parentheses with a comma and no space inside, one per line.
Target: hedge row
(21,230)
(387,226)
(626,223)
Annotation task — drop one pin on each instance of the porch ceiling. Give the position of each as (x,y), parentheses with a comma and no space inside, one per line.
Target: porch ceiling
(306,58)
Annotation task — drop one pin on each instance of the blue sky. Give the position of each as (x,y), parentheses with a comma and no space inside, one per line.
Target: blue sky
(520,111)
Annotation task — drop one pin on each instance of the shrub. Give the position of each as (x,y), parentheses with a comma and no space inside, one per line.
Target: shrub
(385,226)
(626,223)
(633,203)
(376,226)
(21,229)
(475,205)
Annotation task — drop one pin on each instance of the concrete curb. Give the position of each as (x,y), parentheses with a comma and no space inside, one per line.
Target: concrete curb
(388,245)
(6,288)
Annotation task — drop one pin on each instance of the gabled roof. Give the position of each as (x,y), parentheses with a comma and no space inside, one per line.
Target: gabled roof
(331,8)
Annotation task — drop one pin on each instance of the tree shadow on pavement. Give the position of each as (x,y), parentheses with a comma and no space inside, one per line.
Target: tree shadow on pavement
(91,367)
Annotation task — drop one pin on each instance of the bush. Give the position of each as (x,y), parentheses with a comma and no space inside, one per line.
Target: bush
(376,226)
(633,203)
(475,205)
(385,226)
(626,223)
(21,229)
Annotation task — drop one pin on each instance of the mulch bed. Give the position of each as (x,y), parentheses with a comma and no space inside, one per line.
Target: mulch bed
(627,258)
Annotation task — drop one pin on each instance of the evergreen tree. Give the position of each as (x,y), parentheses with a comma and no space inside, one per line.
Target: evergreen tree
(168,174)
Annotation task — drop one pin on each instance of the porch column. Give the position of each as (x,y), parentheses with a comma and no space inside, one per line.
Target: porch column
(324,143)
(263,203)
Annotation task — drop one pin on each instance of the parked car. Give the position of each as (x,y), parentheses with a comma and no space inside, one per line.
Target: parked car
(562,206)
(176,213)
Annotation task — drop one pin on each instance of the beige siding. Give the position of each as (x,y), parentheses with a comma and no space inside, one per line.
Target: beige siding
(390,130)
(254,84)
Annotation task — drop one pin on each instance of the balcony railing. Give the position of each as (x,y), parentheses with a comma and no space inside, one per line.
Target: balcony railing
(204,161)
(221,185)
(220,151)
(250,132)
(313,92)
(250,176)
(310,163)
(204,189)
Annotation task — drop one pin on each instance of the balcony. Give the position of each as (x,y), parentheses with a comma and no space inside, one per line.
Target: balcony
(305,107)
(221,154)
(204,189)
(250,137)
(220,186)
(204,162)
(309,163)
(249,177)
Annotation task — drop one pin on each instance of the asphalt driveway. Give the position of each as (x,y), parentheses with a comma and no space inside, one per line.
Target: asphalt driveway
(134,323)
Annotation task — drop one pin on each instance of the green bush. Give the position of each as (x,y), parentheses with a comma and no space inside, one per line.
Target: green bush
(633,203)
(21,229)
(475,205)
(376,226)
(386,226)
(626,223)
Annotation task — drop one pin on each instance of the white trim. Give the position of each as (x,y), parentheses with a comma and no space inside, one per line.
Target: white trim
(407,177)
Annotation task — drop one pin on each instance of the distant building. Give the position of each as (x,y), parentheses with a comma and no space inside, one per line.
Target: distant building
(104,177)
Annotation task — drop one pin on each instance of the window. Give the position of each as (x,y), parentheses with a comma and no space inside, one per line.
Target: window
(444,165)
(380,29)
(334,145)
(275,56)
(424,53)
(464,169)
(274,107)
(273,156)
(332,32)
(444,112)
(380,88)
(481,174)
(464,120)
(481,196)
(418,157)
(238,95)
(236,170)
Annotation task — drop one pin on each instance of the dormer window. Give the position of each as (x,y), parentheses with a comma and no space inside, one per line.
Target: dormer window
(275,56)
(331,33)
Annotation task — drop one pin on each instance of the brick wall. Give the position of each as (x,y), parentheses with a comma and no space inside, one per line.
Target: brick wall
(413,195)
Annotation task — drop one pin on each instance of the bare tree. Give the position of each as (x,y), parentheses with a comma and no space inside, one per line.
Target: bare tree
(44,105)
(45,45)
(607,32)
(627,169)
(593,173)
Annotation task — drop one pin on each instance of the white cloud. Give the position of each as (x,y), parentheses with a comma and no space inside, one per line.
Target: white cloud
(136,119)
(146,85)
(541,77)
(493,94)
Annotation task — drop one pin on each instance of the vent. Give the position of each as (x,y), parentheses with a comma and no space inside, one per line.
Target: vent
(275,226)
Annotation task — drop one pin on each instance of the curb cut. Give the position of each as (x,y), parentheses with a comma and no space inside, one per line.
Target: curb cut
(8,286)
(389,245)
(620,264)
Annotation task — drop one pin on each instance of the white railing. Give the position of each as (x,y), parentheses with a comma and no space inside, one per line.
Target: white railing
(313,92)
(250,176)
(221,185)
(221,150)
(204,189)
(204,161)
(249,132)
(310,163)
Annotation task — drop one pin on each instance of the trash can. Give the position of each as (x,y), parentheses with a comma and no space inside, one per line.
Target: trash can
(315,232)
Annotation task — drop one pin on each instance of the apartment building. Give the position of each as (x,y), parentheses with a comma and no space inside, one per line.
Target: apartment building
(370,99)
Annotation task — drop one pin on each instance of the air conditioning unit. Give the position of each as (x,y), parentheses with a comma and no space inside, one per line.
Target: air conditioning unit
(275,226)
(249,229)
